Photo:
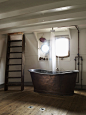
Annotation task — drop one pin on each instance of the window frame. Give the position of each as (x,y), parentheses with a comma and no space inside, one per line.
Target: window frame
(64,36)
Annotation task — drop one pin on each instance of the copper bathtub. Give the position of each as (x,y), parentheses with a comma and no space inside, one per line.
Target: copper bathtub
(60,83)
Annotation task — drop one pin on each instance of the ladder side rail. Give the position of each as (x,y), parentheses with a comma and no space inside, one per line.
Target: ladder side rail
(7,61)
(23,62)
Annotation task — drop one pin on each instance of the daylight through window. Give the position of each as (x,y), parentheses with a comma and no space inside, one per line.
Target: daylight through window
(62,47)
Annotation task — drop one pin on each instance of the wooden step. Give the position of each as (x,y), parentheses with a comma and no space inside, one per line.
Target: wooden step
(14,70)
(13,77)
(14,84)
(13,64)
(9,52)
(14,46)
(14,52)
(14,58)
(15,40)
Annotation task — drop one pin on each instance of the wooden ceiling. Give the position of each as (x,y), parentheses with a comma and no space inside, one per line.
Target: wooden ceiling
(33,15)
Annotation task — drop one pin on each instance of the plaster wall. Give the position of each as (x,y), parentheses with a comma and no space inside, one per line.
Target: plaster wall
(2,57)
(31,53)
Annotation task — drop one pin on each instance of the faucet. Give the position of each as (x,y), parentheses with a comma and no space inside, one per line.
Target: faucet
(57,69)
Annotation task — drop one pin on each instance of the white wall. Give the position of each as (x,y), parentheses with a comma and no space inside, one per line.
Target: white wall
(2,57)
(31,53)
(83,52)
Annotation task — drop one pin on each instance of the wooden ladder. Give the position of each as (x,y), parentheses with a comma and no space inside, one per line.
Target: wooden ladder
(22,58)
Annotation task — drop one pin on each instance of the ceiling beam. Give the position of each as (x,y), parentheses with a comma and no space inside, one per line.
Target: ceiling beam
(36,28)
(42,8)
(45,20)
(3,1)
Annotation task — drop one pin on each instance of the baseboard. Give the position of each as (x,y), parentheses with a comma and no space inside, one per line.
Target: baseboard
(28,84)
(31,84)
(25,84)
(76,87)
(1,86)
(79,87)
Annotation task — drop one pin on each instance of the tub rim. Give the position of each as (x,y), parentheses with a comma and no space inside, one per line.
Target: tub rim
(57,73)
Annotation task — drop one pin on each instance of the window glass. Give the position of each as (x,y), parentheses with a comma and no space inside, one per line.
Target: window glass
(62,47)
(45,48)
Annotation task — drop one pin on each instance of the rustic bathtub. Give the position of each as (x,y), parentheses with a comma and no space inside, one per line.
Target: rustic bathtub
(60,83)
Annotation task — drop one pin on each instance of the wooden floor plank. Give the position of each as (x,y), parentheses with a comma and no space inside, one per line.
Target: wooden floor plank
(17,102)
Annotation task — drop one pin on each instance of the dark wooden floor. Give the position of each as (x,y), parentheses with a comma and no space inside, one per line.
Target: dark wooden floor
(14,102)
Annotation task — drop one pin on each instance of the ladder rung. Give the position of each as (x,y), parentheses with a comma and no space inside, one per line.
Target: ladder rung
(13,64)
(13,77)
(14,84)
(14,52)
(14,58)
(14,70)
(14,46)
(15,40)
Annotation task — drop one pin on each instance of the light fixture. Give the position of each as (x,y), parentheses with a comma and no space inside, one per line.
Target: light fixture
(45,48)
(42,39)
(52,30)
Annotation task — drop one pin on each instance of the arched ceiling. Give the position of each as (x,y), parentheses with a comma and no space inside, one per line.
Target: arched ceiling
(32,15)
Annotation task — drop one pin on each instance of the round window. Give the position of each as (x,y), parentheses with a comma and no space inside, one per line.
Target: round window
(45,48)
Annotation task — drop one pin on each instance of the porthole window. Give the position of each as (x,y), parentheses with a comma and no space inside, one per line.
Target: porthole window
(62,47)
(45,48)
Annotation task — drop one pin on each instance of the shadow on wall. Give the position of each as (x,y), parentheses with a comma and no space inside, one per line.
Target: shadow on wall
(2,42)
(2,57)
(31,45)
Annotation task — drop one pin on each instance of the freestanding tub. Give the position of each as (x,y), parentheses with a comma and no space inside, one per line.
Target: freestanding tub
(60,83)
